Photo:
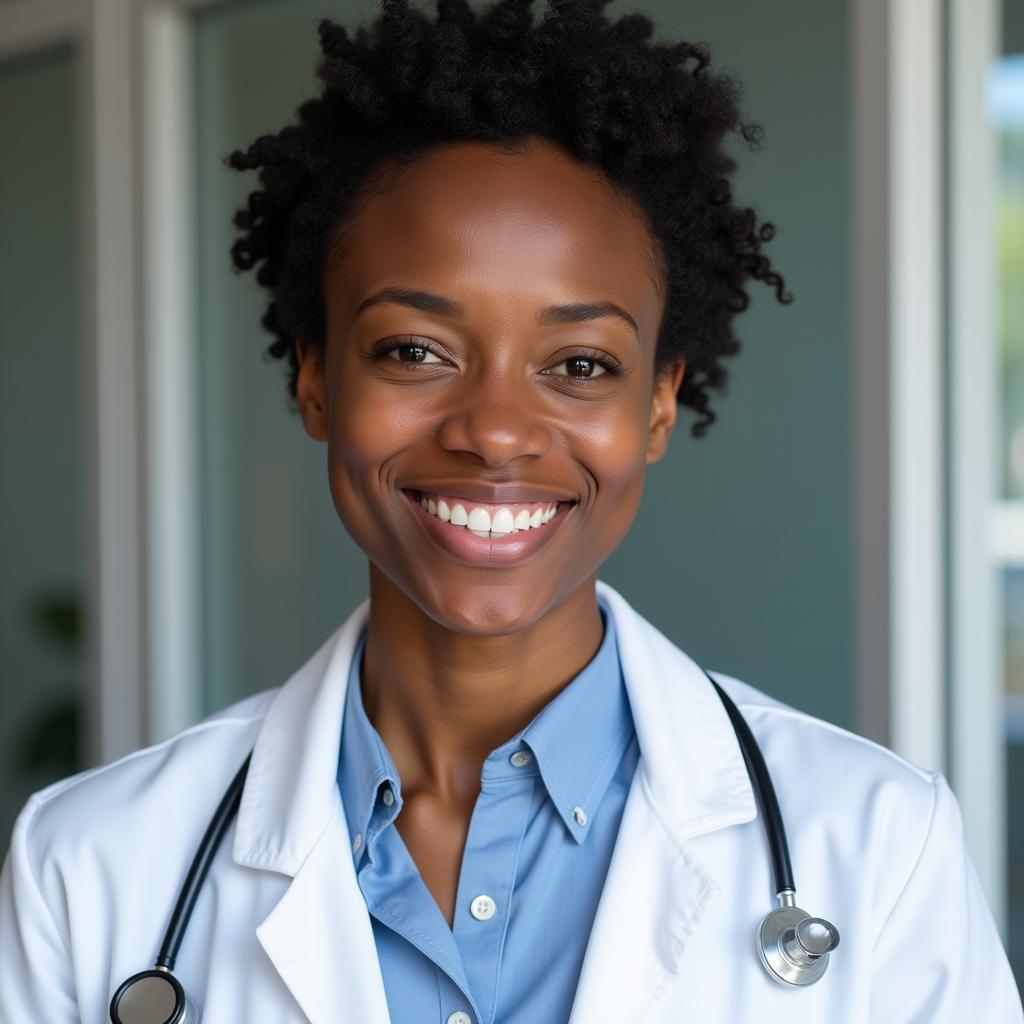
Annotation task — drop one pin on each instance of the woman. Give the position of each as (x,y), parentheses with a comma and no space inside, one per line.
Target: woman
(499,256)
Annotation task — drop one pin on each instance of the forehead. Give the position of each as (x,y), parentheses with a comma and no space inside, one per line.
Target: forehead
(518,225)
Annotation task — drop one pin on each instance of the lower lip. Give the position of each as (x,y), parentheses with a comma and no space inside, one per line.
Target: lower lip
(468,547)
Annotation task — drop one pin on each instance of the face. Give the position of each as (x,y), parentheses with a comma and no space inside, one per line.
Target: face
(491,330)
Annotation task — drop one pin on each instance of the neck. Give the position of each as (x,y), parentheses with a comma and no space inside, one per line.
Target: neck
(442,700)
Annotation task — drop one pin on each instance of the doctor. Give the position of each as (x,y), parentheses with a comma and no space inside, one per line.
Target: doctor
(497,794)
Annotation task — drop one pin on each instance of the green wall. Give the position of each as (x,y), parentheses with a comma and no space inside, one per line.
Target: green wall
(1013,26)
(741,552)
(41,478)
(279,571)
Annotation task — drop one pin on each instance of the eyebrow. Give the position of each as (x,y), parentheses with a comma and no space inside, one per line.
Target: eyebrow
(441,305)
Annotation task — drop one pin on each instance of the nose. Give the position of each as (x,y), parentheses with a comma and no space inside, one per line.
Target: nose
(496,420)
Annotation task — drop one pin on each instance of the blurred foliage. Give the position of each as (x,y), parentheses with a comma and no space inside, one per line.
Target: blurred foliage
(57,616)
(50,742)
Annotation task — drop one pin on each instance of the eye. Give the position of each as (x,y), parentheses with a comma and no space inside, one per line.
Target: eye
(417,346)
(589,360)
(586,361)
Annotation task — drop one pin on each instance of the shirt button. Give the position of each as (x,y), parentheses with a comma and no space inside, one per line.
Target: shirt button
(388,797)
(579,816)
(521,757)
(458,1017)
(482,908)
(357,842)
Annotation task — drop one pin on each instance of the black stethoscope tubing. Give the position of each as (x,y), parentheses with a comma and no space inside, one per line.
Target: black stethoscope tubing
(226,810)
(764,790)
(789,959)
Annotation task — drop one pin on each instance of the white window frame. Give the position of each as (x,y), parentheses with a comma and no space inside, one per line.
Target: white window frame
(978,734)
(134,141)
(897,331)
(927,622)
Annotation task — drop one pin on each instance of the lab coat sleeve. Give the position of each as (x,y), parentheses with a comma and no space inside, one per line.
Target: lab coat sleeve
(36,982)
(938,958)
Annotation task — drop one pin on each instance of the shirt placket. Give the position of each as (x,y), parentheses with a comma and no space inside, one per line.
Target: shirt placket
(487,876)
(404,905)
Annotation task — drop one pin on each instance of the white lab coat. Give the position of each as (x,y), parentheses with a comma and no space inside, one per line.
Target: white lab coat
(281,934)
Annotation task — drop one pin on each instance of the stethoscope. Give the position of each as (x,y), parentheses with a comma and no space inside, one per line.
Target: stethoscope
(792,945)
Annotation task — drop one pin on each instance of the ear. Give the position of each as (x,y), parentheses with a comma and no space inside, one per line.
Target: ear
(309,390)
(664,407)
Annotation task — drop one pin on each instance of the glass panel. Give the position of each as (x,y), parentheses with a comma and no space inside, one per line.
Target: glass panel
(1013,591)
(1007,102)
(41,543)
(1007,95)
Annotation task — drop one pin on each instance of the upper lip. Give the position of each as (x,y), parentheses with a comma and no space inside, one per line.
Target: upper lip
(491,494)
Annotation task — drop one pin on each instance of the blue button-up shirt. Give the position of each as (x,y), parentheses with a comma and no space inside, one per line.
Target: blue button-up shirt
(537,852)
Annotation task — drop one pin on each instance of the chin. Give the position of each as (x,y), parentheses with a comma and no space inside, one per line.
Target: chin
(492,608)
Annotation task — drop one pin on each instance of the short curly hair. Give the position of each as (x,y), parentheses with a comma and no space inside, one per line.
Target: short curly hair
(650,116)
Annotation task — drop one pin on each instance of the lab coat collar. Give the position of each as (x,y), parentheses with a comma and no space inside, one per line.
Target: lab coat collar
(291,788)
(691,779)
(691,760)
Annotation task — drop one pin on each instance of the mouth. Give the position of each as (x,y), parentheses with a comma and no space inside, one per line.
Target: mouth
(509,544)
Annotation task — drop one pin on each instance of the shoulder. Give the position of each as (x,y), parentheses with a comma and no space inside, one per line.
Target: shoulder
(143,788)
(821,745)
(825,757)
(90,853)
(873,811)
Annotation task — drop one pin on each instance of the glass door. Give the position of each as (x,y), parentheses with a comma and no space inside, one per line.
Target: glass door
(1007,104)
(41,426)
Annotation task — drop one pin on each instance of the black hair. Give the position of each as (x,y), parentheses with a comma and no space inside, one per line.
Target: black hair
(651,117)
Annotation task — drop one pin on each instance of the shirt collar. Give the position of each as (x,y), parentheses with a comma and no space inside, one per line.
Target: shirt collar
(365,768)
(580,736)
(576,740)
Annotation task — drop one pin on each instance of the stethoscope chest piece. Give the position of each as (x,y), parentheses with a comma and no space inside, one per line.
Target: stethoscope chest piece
(794,946)
(152,997)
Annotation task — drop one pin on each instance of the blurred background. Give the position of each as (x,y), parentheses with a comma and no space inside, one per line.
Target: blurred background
(849,536)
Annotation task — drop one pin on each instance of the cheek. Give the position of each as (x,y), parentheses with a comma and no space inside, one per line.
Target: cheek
(612,450)
(614,446)
(361,445)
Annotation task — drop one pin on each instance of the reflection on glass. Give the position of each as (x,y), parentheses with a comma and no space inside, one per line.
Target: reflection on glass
(1013,592)
(1007,105)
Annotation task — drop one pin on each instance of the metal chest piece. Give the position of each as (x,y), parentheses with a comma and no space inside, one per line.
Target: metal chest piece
(792,945)
(152,997)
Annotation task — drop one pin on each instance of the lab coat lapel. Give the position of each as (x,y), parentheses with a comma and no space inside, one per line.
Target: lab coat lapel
(318,936)
(320,940)
(691,779)
(656,896)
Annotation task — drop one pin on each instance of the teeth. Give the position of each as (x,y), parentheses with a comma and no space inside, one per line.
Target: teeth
(479,520)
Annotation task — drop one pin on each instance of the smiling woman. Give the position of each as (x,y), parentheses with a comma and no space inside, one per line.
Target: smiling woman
(499,257)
